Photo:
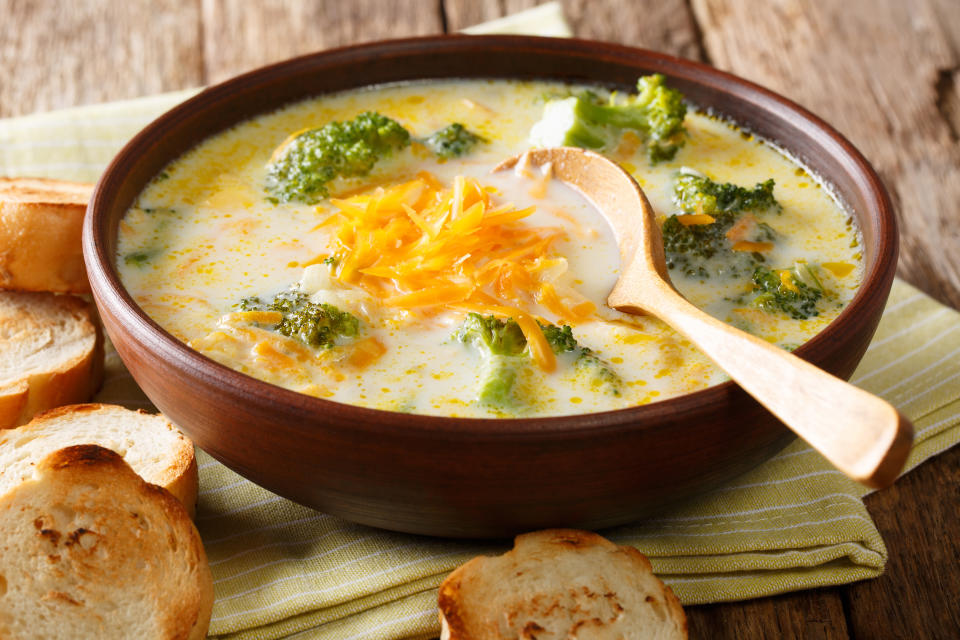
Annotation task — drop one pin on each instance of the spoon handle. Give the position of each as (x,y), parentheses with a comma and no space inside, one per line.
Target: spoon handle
(862,435)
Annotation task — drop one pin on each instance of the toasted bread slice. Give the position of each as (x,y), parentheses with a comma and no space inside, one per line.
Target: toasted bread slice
(40,223)
(51,353)
(150,444)
(90,550)
(559,584)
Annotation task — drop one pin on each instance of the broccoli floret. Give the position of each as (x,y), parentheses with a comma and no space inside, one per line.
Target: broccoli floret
(794,291)
(598,374)
(141,257)
(316,325)
(656,112)
(696,193)
(502,348)
(690,249)
(453,141)
(665,110)
(560,339)
(337,149)
(565,123)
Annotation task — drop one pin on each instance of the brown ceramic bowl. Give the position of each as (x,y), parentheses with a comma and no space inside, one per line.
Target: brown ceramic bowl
(474,477)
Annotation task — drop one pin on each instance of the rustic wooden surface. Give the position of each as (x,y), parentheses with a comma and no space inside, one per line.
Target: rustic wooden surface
(884,72)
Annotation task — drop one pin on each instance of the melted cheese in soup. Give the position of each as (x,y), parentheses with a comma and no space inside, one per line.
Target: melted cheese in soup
(204,235)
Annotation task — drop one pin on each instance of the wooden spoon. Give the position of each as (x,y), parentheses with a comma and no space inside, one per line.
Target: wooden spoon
(862,435)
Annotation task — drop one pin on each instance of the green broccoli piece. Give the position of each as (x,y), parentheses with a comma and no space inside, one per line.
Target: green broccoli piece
(566,123)
(316,325)
(337,149)
(656,112)
(691,249)
(560,339)
(665,110)
(453,141)
(141,257)
(502,348)
(696,193)
(794,291)
(598,374)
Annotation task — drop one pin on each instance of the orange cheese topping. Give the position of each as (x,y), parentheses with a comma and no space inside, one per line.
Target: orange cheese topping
(695,219)
(839,269)
(746,245)
(418,245)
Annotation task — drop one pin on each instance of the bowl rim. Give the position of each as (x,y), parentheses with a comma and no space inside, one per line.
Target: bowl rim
(109,290)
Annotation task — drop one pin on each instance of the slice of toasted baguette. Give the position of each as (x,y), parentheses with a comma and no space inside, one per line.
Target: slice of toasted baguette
(90,550)
(559,584)
(40,224)
(150,444)
(51,353)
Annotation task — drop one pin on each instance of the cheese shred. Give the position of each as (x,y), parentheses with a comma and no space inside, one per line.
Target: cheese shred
(418,245)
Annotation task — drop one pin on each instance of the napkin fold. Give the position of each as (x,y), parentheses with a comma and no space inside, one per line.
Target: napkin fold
(284,570)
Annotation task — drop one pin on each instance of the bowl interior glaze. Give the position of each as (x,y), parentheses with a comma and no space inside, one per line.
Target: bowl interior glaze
(474,477)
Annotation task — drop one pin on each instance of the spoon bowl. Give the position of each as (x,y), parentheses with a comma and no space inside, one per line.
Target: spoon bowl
(861,434)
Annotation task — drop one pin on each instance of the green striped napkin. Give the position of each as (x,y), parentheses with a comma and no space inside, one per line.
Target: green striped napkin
(282,570)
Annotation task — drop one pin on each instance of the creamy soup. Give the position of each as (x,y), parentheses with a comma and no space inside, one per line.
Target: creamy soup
(410,250)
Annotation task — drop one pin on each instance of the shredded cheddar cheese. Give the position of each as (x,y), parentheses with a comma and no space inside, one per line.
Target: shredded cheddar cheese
(759,247)
(839,269)
(418,245)
(693,219)
(786,278)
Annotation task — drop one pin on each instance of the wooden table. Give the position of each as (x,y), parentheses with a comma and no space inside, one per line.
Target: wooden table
(885,72)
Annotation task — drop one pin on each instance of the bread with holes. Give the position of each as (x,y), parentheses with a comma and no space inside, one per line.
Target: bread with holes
(51,353)
(559,584)
(40,226)
(90,550)
(150,444)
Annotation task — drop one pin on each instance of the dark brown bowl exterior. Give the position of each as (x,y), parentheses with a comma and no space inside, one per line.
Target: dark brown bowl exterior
(474,477)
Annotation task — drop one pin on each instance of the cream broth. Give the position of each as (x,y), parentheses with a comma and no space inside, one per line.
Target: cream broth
(203,235)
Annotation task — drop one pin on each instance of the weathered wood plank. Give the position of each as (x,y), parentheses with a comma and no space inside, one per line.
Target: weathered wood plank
(239,35)
(919,597)
(466,13)
(56,55)
(806,615)
(663,25)
(884,73)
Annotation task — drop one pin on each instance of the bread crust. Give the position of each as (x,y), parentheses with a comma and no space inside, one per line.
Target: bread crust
(110,555)
(102,424)
(64,380)
(559,583)
(40,229)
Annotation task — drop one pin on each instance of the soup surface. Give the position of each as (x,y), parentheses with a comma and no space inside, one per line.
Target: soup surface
(420,242)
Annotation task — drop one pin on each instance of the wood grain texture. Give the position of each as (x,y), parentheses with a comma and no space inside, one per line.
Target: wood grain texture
(460,14)
(239,36)
(919,596)
(56,55)
(886,77)
(806,615)
(663,25)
